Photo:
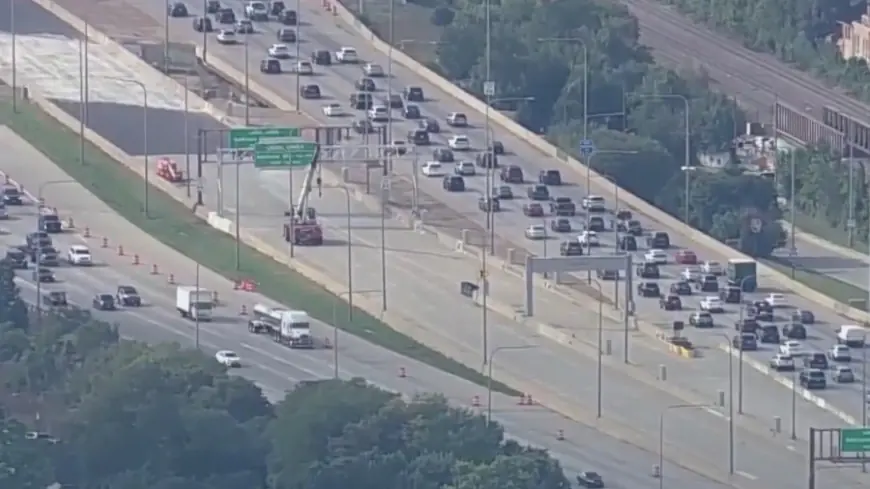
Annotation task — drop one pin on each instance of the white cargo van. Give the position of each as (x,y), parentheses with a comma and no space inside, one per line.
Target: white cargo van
(851,335)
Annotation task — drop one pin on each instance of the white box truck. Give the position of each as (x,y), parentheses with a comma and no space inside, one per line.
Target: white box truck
(194,302)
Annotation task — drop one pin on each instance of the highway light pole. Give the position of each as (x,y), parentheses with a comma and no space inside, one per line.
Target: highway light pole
(584,80)
(794,380)
(730,402)
(13,28)
(248,83)
(792,205)
(598,374)
(662,435)
(349,294)
(687,170)
(349,291)
(850,223)
(39,193)
(740,366)
(489,376)
(298,42)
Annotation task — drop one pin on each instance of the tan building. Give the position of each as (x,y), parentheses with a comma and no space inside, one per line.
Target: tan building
(855,39)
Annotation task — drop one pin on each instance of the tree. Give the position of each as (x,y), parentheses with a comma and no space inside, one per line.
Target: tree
(13,311)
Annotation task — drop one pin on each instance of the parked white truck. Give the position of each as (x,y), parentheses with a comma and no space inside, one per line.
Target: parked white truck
(195,303)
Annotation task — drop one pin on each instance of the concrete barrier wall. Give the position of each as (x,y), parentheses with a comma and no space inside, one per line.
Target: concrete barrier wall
(601,185)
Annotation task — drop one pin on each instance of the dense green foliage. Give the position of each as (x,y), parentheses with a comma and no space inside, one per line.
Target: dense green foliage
(123,415)
(798,32)
(821,189)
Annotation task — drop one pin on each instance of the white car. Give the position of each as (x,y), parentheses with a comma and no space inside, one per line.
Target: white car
(304,68)
(776,300)
(373,70)
(279,51)
(659,257)
(459,143)
(79,255)
(465,169)
(536,231)
(792,348)
(347,55)
(227,36)
(840,353)
(228,358)
(379,113)
(332,110)
(712,268)
(712,304)
(691,274)
(457,119)
(594,203)
(256,11)
(588,239)
(433,169)
(782,362)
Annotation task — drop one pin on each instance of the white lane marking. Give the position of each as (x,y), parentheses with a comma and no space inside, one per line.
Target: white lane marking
(791,448)
(715,413)
(52,64)
(747,475)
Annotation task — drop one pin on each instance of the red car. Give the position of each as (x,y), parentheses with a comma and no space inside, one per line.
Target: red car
(686,257)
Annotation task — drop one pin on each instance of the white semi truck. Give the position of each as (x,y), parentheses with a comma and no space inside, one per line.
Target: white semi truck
(195,303)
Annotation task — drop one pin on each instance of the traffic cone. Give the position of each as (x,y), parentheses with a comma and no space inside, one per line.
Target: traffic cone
(154,269)
(105,242)
(244,311)
(171,279)
(120,250)
(560,435)
(402,372)
(135,259)
(475,401)
(87,232)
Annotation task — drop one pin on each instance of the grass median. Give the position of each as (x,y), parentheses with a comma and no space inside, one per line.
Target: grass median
(173,224)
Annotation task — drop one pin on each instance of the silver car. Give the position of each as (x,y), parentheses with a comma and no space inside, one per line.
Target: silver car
(536,231)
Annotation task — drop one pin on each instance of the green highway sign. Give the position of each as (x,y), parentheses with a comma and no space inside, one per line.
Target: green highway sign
(855,440)
(246,139)
(283,155)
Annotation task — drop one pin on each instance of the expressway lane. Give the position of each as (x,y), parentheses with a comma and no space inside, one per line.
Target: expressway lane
(321,31)
(272,366)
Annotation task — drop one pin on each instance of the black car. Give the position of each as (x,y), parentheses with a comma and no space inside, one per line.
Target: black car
(321,57)
(487,159)
(442,155)
(288,17)
(225,16)
(538,192)
(497,147)
(177,9)
(731,295)
(803,316)
(571,248)
(286,35)
(104,302)
(414,94)
(671,303)
(361,101)
(659,240)
(511,174)
(634,227)
(648,271)
(276,7)
(55,298)
(560,225)
(16,258)
(418,137)
(627,243)
(550,177)
(745,341)
(590,479)
(310,91)
(761,311)
(533,209)
(412,111)
(747,325)
(564,206)
(813,379)
(212,6)
(38,239)
(453,183)
(681,288)
(431,125)
(128,296)
(394,101)
(489,204)
(648,289)
(596,223)
(770,334)
(365,84)
(11,195)
(708,283)
(816,360)
(701,319)
(270,66)
(42,274)
(201,24)
(363,126)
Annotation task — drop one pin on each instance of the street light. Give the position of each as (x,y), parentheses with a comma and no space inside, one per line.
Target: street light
(686,171)
(39,197)
(489,376)
(584,80)
(600,341)
(730,402)
(349,275)
(349,294)
(740,367)
(662,435)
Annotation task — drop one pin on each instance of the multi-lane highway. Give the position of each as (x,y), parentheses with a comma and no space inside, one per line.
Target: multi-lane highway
(274,367)
(320,31)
